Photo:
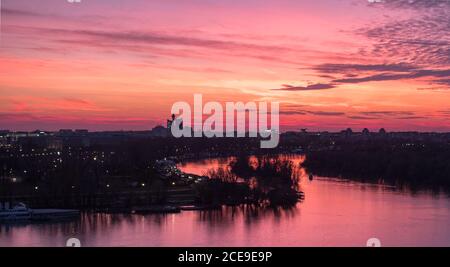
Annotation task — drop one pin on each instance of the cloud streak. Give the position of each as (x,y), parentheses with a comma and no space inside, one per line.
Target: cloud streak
(156,43)
(413,4)
(311,87)
(399,76)
(346,68)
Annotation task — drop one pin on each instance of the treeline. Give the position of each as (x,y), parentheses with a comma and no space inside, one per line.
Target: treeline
(418,165)
(262,181)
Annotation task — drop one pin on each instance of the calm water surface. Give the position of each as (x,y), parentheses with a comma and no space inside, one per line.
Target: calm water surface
(334,213)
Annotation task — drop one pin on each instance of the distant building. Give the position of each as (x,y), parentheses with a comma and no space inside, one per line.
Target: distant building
(65,132)
(81,132)
(347,132)
(55,143)
(160,131)
(170,122)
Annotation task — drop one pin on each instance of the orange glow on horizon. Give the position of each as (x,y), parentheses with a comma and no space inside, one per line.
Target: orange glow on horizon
(105,66)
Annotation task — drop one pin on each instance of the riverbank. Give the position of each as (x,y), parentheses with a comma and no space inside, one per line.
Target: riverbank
(336,212)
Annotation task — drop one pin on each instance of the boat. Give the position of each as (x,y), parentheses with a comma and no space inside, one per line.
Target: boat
(19,212)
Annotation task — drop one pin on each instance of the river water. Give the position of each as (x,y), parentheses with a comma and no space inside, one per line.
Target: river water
(335,212)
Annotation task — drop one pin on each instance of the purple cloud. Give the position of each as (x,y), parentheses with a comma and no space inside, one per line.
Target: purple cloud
(396,76)
(316,86)
(344,68)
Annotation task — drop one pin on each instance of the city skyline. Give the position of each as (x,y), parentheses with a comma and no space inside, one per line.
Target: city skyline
(116,65)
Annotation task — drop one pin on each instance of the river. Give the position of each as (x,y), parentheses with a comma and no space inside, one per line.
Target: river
(335,212)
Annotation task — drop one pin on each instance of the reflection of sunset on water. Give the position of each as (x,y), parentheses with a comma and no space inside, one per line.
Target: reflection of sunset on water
(335,212)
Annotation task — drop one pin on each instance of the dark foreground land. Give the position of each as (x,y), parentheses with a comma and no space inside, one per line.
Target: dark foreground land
(415,166)
(117,171)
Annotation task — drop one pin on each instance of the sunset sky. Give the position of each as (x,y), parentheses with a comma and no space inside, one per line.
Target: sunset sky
(332,64)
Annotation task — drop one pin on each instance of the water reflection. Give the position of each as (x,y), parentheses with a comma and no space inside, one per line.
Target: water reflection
(335,212)
(248,213)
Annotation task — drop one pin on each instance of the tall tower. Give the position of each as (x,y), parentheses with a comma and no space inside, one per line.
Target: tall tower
(169,122)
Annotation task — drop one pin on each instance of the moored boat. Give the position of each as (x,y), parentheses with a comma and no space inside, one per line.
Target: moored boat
(19,212)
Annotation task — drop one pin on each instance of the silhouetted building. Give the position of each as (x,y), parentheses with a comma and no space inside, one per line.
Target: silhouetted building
(347,132)
(81,132)
(160,131)
(170,122)
(65,132)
